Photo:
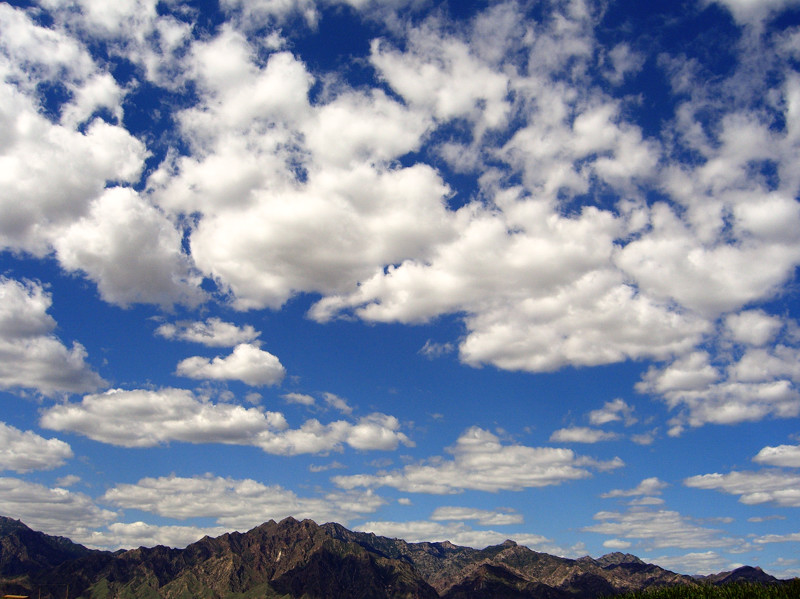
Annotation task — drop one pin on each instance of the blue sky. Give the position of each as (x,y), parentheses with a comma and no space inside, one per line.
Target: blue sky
(435,270)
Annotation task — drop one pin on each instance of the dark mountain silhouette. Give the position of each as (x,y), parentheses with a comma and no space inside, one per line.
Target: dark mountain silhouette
(292,559)
(743,574)
(24,550)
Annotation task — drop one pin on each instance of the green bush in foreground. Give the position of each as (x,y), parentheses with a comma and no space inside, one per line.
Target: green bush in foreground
(742,590)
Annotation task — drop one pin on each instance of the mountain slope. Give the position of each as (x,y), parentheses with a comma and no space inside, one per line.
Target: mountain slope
(23,549)
(292,559)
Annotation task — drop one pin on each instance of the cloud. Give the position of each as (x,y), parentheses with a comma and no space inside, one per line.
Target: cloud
(128,535)
(238,504)
(299,398)
(761,383)
(483,517)
(168,414)
(31,357)
(753,12)
(131,250)
(481,462)
(786,538)
(753,488)
(616,544)
(753,327)
(658,528)
(53,169)
(442,76)
(338,403)
(54,511)
(25,451)
(787,456)
(212,332)
(701,562)
(247,363)
(649,486)
(419,531)
(613,411)
(581,434)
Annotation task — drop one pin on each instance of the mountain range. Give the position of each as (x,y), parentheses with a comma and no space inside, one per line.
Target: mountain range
(301,559)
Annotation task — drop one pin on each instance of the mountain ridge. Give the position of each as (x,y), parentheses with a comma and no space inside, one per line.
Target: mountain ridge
(302,559)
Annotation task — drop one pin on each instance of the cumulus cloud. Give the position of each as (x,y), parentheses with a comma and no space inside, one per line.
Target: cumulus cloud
(238,504)
(613,411)
(25,451)
(168,414)
(581,434)
(787,538)
(212,332)
(766,486)
(131,250)
(338,403)
(128,535)
(53,169)
(755,383)
(54,511)
(247,363)
(787,456)
(483,517)
(698,562)
(299,398)
(419,531)
(657,528)
(649,486)
(31,357)
(481,462)
(753,12)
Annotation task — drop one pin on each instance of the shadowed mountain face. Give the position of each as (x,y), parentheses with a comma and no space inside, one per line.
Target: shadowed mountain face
(24,550)
(292,559)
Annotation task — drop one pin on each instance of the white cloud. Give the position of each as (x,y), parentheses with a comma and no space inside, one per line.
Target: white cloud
(483,517)
(458,533)
(753,488)
(167,415)
(31,357)
(613,411)
(760,384)
(338,403)
(25,451)
(247,363)
(255,14)
(616,544)
(481,462)
(124,535)
(658,528)
(235,503)
(212,332)
(130,250)
(440,74)
(702,562)
(581,434)
(299,398)
(754,327)
(787,456)
(786,538)
(623,62)
(161,416)
(54,511)
(754,11)
(649,486)
(50,169)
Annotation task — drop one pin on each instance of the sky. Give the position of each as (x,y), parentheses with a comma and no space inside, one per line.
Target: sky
(466,271)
